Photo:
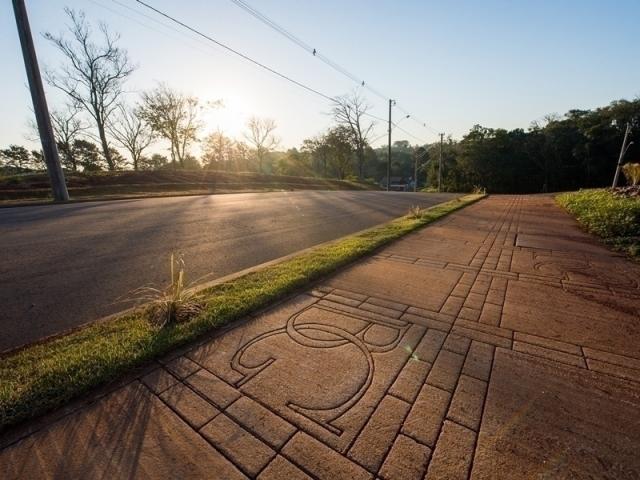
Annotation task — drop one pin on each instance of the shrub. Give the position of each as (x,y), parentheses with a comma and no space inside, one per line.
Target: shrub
(602,213)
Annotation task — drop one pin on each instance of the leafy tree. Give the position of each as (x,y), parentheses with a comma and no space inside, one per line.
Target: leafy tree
(174,117)
(155,162)
(16,157)
(87,155)
(93,74)
(339,151)
(318,150)
(295,162)
(218,151)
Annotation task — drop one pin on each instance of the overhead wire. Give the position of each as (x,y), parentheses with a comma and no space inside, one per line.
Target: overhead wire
(310,49)
(238,53)
(228,48)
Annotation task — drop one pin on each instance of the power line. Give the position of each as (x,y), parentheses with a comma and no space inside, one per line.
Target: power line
(239,54)
(302,44)
(251,60)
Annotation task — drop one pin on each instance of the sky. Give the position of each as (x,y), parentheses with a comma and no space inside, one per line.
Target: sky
(452,64)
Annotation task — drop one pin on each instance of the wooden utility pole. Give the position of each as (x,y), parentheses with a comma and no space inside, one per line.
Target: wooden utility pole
(391,102)
(43,120)
(415,172)
(623,151)
(440,164)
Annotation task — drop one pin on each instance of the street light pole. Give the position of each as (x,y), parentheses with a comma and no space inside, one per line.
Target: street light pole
(43,120)
(623,151)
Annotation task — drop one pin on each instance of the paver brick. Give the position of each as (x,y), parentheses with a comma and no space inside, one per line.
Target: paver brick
(427,322)
(616,370)
(407,460)
(400,307)
(613,358)
(445,371)
(190,406)
(481,336)
(245,450)
(182,367)
(268,426)
(159,380)
(282,469)
(478,361)
(471,314)
(323,462)
(216,390)
(439,316)
(491,314)
(387,312)
(333,297)
(410,380)
(548,343)
(457,344)
(375,440)
(483,327)
(452,305)
(427,414)
(467,402)
(453,455)
(461,290)
(550,354)
(428,348)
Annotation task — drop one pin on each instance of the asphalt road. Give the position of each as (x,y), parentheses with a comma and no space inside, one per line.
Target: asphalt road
(65,265)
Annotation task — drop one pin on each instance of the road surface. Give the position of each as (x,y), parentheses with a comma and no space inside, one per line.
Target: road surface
(65,265)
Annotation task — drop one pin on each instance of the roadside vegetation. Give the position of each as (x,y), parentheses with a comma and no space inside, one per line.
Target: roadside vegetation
(613,215)
(44,376)
(105,185)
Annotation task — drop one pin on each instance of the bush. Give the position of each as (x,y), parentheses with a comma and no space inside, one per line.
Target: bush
(602,213)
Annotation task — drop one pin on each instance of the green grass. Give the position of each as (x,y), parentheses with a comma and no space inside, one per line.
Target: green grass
(45,376)
(615,219)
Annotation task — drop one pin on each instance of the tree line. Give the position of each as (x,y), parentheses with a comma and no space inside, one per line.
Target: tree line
(99,122)
(577,150)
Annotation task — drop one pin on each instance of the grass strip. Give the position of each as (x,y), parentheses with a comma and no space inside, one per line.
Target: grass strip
(614,218)
(45,376)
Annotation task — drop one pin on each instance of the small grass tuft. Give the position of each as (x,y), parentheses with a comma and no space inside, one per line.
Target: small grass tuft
(175,304)
(415,212)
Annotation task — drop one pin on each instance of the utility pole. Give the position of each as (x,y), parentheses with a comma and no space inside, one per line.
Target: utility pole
(625,146)
(415,173)
(391,103)
(440,164)
(43,120)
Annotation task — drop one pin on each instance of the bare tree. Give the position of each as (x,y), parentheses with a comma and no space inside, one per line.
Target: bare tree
(131,132)
(348,111)
(93,73)
(67,128)
(260,135)
(173,116)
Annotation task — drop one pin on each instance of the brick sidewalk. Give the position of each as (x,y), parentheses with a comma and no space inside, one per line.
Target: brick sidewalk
(501,342)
